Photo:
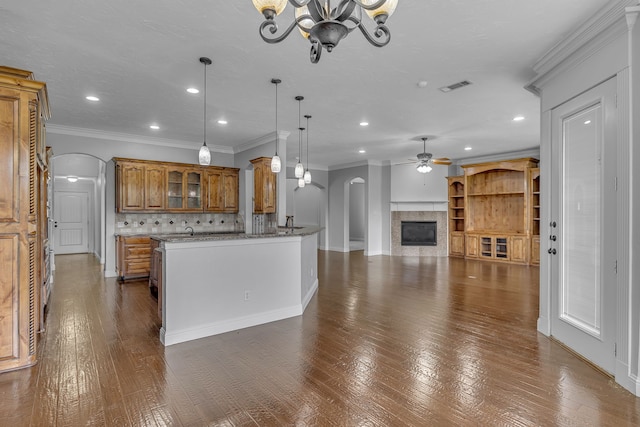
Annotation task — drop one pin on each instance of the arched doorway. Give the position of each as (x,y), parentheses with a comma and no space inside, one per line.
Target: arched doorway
(356,230)
(78,196)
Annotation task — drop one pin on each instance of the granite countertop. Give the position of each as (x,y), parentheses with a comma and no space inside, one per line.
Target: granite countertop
(211,236)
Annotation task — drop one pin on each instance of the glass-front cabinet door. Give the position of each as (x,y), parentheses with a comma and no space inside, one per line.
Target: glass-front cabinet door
(175,193)
(194,193)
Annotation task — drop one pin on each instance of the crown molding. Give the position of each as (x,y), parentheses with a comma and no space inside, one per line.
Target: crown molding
(360,163)
(137,139)
(270,137)
(533,152)
(576,47)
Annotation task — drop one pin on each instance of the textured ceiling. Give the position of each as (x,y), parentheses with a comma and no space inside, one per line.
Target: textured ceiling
(140,56)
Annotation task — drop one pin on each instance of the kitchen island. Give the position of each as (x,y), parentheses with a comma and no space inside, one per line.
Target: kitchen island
(216,283)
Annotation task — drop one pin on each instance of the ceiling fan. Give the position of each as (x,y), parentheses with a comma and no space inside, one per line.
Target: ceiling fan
(425,160)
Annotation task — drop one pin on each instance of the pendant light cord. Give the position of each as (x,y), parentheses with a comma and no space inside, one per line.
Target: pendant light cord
(204,117)
(277,139)
(308,117)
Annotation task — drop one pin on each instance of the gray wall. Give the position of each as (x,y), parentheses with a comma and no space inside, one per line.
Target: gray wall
(356,211)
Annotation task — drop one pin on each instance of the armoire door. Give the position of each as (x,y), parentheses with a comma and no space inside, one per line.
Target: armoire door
(582,246)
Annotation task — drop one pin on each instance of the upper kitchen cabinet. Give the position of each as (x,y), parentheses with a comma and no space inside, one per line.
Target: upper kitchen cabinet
(184,190)
(140,186)
(150,186)
(23,169)
(221,190)
(264,186)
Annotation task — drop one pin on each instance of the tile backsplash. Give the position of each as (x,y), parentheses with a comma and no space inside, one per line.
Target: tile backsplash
(150,223)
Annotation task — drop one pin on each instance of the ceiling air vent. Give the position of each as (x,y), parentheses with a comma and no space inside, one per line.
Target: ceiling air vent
(455,86)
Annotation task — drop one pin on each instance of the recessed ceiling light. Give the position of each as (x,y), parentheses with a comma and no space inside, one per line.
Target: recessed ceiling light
(518,118)
(364,123)
(467,148)
(222,122)
(93,98)
(587,122)
(362,151)
(422,84)
(154,127)
(193,90)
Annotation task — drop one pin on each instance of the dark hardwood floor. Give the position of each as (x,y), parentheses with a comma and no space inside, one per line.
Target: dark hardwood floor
(387,341)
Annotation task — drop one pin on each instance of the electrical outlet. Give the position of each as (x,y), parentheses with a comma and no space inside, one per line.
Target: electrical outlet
(246,295)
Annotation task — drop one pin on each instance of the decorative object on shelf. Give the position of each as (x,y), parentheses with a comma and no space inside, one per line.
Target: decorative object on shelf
(323,25)
(204,156)
(307,174)
(276,164)
(299,170)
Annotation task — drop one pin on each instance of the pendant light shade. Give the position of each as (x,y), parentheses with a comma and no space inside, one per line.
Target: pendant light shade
(301,182)
(276,164)
(299,170)
(204,156)
(307,174)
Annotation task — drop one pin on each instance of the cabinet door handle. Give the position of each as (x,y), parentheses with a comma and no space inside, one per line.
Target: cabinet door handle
(552,251)
(553,237)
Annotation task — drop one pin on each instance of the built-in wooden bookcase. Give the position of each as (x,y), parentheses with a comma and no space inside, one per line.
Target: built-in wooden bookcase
(534,188)
(496,216)
(456,215)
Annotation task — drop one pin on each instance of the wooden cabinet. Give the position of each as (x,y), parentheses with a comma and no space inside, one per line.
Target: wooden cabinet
(185,189)
(264,186)
(133,256)
(471,247)
(456,215)
(535,250)
(149,186)
(23,166)
(221,190)
(495,209)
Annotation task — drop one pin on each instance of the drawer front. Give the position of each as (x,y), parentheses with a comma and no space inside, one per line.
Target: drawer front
(135,251)
(136,240)
(137,267)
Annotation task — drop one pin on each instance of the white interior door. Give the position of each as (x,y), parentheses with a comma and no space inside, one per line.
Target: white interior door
(71,222)
(583,224)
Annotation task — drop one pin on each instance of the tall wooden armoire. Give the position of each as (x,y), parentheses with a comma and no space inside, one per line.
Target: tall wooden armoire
(23,215)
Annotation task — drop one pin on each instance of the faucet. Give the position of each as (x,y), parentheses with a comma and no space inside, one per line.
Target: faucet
(189,229)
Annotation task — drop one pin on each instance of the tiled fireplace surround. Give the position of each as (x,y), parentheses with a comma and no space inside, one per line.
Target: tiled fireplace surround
(441,220)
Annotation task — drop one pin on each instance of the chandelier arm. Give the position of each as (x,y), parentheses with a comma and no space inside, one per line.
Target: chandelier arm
(316,50)
(296,3)
(380,31)
(270,26)
(344,10)
(317,12)
(368,6)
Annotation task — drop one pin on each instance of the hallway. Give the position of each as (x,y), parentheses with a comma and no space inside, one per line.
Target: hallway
(387,341)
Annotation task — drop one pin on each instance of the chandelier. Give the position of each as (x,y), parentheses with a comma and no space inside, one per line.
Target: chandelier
(323,25)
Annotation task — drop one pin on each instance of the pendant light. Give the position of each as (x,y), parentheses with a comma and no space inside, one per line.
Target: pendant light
(276,164)
(307,174)
(299,170)
(204,156)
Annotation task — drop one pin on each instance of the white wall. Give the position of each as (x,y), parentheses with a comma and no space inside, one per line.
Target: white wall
(356,211)
(408,185)
(338,205)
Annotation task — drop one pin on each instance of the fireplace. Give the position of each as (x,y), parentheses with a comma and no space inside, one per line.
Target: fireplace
(419,233)
(439,245)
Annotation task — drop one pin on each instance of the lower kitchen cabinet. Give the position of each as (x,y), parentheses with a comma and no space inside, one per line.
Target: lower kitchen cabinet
(133,256)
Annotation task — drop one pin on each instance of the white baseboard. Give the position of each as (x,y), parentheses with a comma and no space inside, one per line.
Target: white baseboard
(309,295)
(338,249)
(627,380)
(111,273)
(221,327)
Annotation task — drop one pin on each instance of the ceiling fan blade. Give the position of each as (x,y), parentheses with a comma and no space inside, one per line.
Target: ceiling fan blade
(442,161)
(405,163)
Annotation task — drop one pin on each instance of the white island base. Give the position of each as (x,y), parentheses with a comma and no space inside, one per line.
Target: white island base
(216,286)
